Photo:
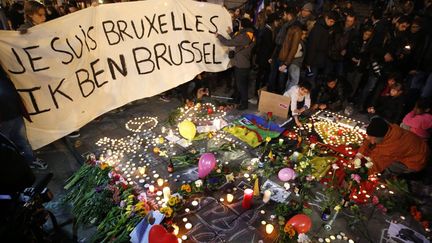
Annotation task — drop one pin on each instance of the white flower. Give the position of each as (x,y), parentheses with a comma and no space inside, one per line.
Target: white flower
(335,166)
(357,163)
(369,164)
(312,146)
(198,183)
(303,238)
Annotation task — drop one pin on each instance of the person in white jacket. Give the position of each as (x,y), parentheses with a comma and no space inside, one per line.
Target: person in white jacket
(300,99)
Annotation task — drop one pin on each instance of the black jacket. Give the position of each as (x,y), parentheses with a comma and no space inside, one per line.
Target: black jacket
(360,50)
(333,98)
(264,46)
(390,108)
(11,105)
(317,45)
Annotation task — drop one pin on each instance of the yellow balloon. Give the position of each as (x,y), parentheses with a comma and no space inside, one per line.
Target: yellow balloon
(187,129)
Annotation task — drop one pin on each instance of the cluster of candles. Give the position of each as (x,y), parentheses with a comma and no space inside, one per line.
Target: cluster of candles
(338,237)
(138,124)
(188,113)
(328,132)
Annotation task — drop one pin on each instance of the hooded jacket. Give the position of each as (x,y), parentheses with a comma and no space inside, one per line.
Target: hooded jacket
(243,41)
(398,145)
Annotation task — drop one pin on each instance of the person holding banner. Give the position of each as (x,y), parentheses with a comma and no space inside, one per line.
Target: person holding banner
(34,14)
(243,41)
(12,111)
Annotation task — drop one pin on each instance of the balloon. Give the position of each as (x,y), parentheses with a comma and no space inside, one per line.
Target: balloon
(158,234)
(286,174)
(206,164)
(187,129)
(301,223)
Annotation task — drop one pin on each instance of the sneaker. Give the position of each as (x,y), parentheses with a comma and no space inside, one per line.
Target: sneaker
(39,164)
(253,101)
(74,134)
(164,98)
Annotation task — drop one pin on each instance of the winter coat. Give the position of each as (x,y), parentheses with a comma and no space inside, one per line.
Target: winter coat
(317,45)
(290,44)
(360,50)
(333,98)
(12,105)
(243,41)
(419,124)
(390,108)
(264,46)
(339,42)
(398,145)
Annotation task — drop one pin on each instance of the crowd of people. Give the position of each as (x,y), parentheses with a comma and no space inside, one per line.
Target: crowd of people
(324,55)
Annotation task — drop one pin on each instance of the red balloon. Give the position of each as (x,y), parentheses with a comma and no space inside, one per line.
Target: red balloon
(301,223)
(158,234)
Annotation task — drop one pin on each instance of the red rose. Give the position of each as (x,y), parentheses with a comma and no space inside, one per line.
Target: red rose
(269,115)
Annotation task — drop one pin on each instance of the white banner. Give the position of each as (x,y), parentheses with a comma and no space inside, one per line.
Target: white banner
(73,69)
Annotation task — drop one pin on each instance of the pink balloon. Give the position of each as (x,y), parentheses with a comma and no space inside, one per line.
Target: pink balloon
(206,164)
(286,174)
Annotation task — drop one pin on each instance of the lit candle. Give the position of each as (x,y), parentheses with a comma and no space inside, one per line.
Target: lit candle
(280,141)
(160,182)
(151,188)
(247,198)
(267,194)
(230,197)
(166,193)
(269,228)
(295,156)
(188,226)
(142,170)
(176,229)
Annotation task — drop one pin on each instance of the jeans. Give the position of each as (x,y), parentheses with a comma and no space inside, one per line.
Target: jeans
(368,89)
(293,76)
(242,81)
(15,130)
(354,78)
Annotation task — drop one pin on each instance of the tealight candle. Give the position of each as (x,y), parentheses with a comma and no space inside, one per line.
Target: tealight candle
(160,182)
(194,203)
(267,194)
(185,220)
(230,197)
(188,226)
(280,141)
(269,228)
(166,193)
(142,170)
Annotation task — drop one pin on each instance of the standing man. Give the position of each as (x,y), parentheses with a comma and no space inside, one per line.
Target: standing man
(317,46)
(243,41)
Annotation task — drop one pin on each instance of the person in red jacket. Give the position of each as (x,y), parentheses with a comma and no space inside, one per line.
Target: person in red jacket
(393,148)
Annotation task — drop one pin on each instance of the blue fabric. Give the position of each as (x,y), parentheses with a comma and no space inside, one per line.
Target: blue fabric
(263,122)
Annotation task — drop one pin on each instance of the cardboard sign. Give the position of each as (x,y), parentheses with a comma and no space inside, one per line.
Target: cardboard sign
(278,104)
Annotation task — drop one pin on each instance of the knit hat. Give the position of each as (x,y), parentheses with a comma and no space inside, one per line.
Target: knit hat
(378,127)
(308,7)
